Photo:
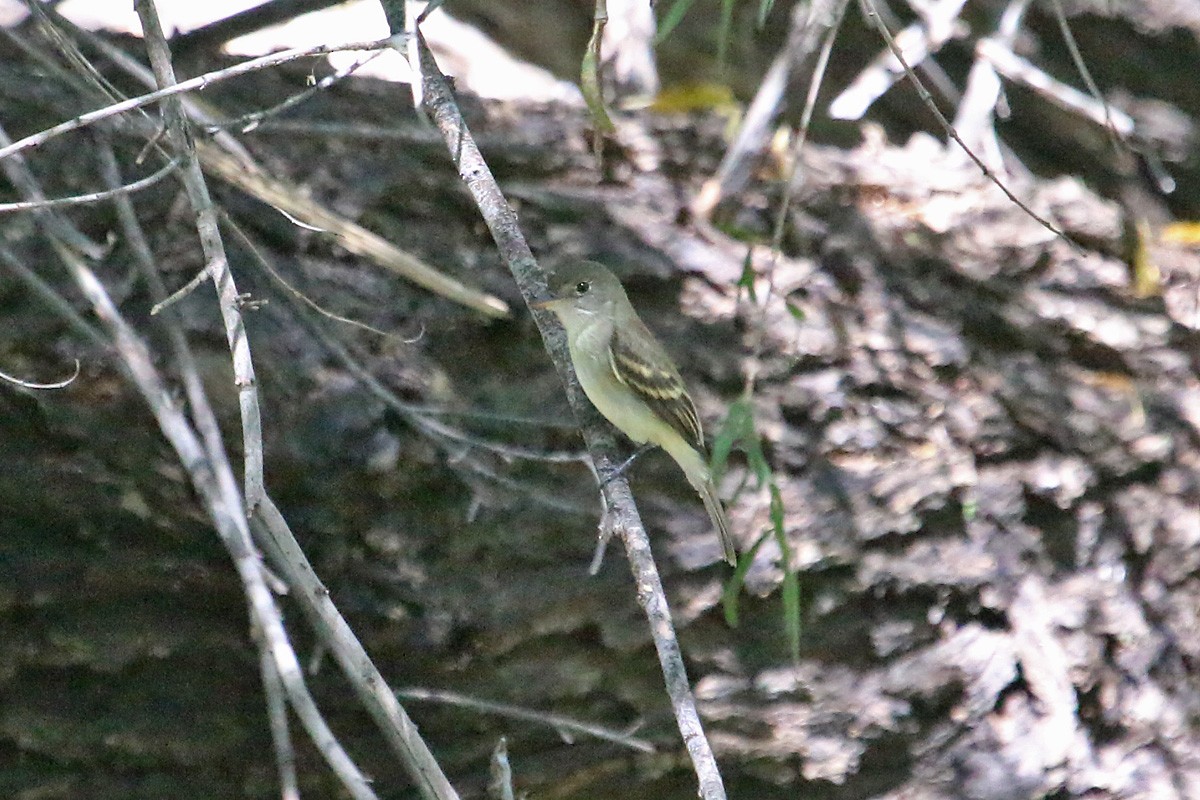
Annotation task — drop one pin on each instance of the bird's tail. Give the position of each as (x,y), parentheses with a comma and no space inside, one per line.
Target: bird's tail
(716,512)
(695,468)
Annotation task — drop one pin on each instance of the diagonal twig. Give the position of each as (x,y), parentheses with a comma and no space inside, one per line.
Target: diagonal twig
(514,250)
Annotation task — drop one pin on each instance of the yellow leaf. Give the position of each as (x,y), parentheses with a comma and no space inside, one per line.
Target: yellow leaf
(1184,233)
(694,97)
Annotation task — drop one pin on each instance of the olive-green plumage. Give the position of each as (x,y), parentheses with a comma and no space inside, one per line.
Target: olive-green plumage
(630,378)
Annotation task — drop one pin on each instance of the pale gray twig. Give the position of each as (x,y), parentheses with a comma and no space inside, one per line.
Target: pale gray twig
(506,232)
(205,419)
(500,785)
(1081,66)
(912,46)
(556,721)
(364,678)
(200,82)
(17,170)
(948,129)
(34,385)
(1020,70)
(180,138)
(92,197)
(809,26)
(975,118)
(285,753)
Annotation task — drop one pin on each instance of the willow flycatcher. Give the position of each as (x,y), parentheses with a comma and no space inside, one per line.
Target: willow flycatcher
(629,377)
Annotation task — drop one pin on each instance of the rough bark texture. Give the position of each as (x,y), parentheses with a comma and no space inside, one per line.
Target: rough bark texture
(987,447)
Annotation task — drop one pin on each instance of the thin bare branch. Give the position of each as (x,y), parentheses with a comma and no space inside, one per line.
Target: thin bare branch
(33,385)
(262,261)
(92,197)
(1020,70)
(948,129)
(200,82)
(809,26)
(505,230)
(285,753)
(556,721)
(912,46)
(231,161)
(248,122)
(179,136)
(1117,138)
(369,686)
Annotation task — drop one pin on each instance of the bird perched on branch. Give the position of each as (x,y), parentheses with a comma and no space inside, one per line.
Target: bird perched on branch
(630,378)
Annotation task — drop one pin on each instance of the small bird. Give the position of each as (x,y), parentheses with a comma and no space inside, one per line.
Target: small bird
(630,378)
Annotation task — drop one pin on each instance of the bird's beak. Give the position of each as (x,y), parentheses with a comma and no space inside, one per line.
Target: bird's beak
(547,305)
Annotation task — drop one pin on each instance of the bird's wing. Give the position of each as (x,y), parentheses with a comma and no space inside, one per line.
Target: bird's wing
(639,362)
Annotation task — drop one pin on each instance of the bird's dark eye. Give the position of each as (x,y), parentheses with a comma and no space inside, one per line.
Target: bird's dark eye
(582,287)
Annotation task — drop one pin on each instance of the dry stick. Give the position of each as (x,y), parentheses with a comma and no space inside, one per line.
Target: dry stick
(206,421)
(91,117)
(21,177)
(248,122)
(975,117)
(368,684)
(505,230)
(1116,138)
(92,197)
(228,159)
(917,42)
(212,478)
(948,129)
(557,721)
(180,138)
(214,482)
(804,37)
(285,753)
(34,385)
(400,732)
(261,261)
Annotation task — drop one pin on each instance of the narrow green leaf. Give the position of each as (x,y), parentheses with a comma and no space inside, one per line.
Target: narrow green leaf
(764,9)
(724,34)
(737,421)
(589,83)
(791,581)
(746,280)
(676,13)
(970,508)
(795,310)
(729,595)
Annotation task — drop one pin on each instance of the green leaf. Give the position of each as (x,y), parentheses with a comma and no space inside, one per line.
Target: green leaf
(676,13)
(729,596)
(589,83)
(746,281)
(791,580)
(970,508)
(764,9)
(733,430)
(795,310)
(724,34)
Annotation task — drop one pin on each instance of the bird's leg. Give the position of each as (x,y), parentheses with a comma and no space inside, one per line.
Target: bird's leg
(620,470)
(607,525)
